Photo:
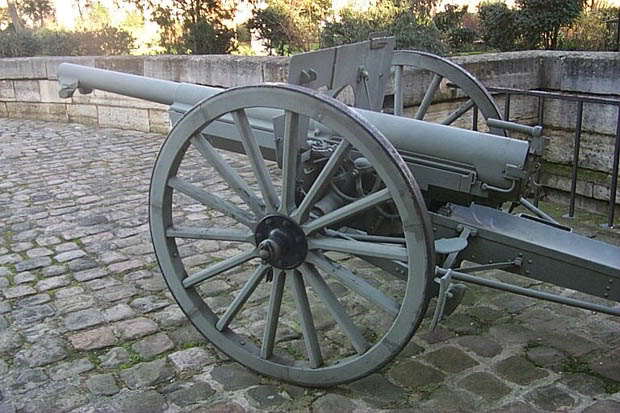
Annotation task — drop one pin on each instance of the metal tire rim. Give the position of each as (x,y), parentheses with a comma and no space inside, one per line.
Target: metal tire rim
(259,353)
(445,69)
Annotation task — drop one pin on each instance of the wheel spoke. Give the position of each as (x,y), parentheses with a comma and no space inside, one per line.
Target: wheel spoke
(273,313)
(347,211)
(256,159)
(458,113)
(219,268)
(218,234)
(231,176)
(316,190)
(305,317)
(335,308)
(295,129)
(242,297)
(354,283)
(212,201)
(361,248)
(428,97)
(398,90)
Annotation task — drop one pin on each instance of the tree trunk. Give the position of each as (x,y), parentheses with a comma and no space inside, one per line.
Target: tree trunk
(17,23)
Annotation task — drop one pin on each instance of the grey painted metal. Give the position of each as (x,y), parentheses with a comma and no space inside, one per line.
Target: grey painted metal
(428,97)
(535,131)
(541,295)
(249,119)
(539,212)
(398,90)
(542,95)
(363,67)
(258,354)
(486,154)
(443,68)
(546,253)
(72,77)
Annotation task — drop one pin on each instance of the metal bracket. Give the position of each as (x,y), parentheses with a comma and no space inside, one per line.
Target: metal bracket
(450,295)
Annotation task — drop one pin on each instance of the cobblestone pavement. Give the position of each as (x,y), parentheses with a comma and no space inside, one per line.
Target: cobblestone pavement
(88,325)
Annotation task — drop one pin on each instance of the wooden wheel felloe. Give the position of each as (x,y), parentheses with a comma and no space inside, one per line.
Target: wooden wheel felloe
(443,69)
(277,287)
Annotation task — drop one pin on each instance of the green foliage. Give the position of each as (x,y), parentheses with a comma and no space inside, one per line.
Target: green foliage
(498,25)
(451,21)
(96,17)
(243,33)
(204,37)
(412,34)
(13,44)
(590,31)
(290,26)
(462,38)
(133,21)
(192,26)
(540,21)
(36,10)
(450,18)
(354,26)
(105,41)
(4,17)
(423,9)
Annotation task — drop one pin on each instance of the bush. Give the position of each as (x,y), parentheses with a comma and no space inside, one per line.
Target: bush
(105,41)
(289,26)
(204,37)
(498,24)
(13,44)
(451,22)
(588,32)
(410,34)
(462,38)
(540,21)
(355,26)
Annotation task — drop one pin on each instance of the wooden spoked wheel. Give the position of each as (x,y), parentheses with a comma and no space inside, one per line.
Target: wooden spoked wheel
(277,287)
(468,88)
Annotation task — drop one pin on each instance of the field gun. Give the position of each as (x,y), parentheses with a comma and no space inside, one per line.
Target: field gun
(340,222)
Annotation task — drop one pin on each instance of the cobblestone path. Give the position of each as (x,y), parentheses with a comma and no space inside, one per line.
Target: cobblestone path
(88,325)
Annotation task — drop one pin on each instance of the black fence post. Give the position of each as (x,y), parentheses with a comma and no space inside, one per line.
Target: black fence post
(573,184)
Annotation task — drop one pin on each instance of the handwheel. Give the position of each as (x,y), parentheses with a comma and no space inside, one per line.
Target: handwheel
(474,92)
(277,287)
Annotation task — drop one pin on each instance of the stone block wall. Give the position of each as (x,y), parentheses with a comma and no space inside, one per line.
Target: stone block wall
(29,87)
(29,90)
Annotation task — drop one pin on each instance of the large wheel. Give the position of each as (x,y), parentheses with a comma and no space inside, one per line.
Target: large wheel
(266,280)
(469,89)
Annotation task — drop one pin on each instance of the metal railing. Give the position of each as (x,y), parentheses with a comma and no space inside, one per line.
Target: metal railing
(580,101)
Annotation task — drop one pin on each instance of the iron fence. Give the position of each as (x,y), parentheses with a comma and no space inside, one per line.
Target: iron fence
(579,100)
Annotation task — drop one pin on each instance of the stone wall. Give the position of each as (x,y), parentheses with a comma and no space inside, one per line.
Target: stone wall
(29,89)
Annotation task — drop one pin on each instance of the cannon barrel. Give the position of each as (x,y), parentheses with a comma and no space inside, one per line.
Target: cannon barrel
(490,156)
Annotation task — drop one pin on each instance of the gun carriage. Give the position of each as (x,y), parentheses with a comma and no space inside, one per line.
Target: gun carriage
(340,223)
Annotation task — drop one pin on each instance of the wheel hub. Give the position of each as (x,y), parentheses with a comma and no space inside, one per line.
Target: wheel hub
(281,242)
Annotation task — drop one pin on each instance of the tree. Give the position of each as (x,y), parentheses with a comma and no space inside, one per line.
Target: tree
(36,10)
(498,23)
(192,26)
(450,21)
(411,33)
(422,9)
(82,6)
(16,22)
(540,21)
(288,26)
